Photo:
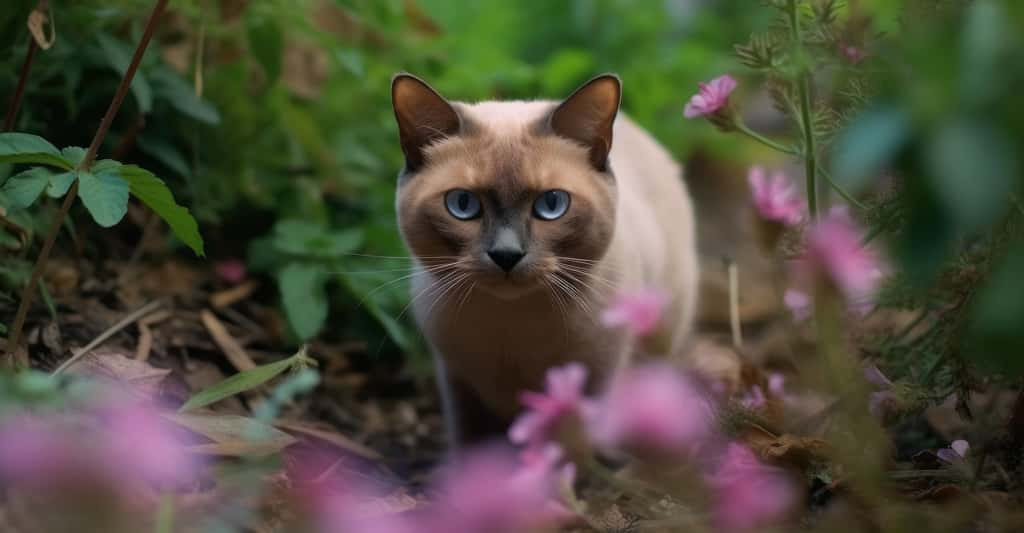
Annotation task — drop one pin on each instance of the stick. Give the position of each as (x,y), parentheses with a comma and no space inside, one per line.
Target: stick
(123,323)
(227,344)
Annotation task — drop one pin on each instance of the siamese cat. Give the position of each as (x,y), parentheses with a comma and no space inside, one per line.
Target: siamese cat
(525,219)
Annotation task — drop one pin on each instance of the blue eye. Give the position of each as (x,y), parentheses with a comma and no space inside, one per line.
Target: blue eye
(462,204)
(551,205)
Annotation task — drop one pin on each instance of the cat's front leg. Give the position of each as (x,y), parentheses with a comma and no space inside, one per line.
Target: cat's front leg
(467,422)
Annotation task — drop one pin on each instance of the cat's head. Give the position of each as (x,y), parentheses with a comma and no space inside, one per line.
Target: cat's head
(516,195)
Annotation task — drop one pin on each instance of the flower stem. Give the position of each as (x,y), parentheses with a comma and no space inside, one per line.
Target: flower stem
(28,292)
(804,91)
(742,128)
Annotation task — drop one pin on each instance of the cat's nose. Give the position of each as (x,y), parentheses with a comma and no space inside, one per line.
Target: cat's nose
(505,258)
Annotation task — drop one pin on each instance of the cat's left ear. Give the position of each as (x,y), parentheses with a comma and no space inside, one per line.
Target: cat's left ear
(587,116)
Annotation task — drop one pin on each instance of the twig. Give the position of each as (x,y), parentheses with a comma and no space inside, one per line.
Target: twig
(123,323)
(28,292)
(804,90)
(15,104)
(227,344)
(734,305)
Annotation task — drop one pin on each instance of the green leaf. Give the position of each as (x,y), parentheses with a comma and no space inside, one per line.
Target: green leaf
(244,381)
(60,183)
(21,190)
(105,195)
(266,43)
(972,167)
(182,96)
(870,143)
(153,192)
(303,298)
(995,337)
(119,57)
(304,238)
(73,154)
(167,154)
(26,148)
(233,435)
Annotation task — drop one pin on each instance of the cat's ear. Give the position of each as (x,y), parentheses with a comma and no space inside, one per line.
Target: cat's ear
(423,116)
(587,116)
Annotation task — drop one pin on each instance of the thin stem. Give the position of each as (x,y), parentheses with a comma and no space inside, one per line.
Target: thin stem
(742,128)
(734,305)
(804,90)
(15,104)
(28,292)
(842,192)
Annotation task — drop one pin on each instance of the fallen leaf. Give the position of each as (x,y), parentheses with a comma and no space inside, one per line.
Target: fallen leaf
(330,437)
(138,377)
(232,435)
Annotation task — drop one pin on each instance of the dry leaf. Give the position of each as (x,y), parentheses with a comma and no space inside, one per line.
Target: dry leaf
(36,22)
(232,435)
(330,437)
(138,377)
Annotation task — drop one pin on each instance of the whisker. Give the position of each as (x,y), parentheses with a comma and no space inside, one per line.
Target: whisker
(589,275)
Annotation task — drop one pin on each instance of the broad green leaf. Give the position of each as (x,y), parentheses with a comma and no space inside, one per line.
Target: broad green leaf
(304,238)
(105,195)
(973,168)
(153,192)
(182,96)
(167,154)
(21,190)
(864,149)
(266,43)
(242,382)
(26,148)
(303,298)
(60,183)
(73,154)
(119,56)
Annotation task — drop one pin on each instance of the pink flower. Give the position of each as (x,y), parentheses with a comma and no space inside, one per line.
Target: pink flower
(652,410)
(883,402)
(835,253)
(776,199)
(547,413)
(134,445)
(853,54)
(490,492)
(875,377)
(713,96)
(230,270)
(639,311)
(956,452)
(748,495)
(140,442)
(755,398)
(799,303)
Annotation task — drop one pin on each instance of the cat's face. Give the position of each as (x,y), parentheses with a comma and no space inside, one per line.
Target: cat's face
(510,196)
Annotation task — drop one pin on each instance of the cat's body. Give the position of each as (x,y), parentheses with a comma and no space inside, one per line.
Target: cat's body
(496,332)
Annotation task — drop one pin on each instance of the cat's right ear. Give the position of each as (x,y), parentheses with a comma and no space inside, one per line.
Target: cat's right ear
(423,116)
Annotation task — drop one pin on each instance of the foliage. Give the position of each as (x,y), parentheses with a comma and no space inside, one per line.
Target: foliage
(280,111)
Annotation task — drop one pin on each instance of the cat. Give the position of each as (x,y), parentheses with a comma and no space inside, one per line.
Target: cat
(525,220)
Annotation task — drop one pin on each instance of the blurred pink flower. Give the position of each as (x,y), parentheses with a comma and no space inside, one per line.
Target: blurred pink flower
(560,404)
(853,54)
(748,495)
(755,398)
(653,410)
(489,492)
(956,452)
(140,443)
(798,303)
(132,447)
(712,97)
(835,253)
(345,504)
(231,270)
(775,198)
(639,311)
(874,376)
